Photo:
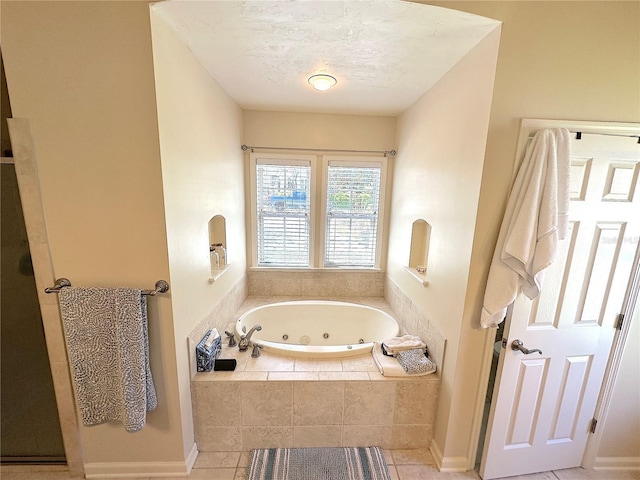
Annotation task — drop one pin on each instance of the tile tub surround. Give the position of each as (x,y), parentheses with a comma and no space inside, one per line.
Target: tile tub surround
(413,320)
(317,283)
(276,401)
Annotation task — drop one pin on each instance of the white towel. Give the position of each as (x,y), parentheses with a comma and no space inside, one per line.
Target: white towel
(107,341)
(534,221)
(390,367)
(394,345)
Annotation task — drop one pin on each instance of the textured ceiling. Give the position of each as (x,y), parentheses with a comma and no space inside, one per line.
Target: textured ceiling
(385,54)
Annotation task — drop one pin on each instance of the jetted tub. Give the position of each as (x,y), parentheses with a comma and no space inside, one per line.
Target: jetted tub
(317,328)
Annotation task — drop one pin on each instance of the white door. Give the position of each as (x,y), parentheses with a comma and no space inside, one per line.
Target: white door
(541,414)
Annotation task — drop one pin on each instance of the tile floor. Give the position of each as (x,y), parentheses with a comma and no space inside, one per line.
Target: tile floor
(403,465)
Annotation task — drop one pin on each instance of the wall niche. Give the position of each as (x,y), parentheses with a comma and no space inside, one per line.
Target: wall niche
(218,254)
(419,250)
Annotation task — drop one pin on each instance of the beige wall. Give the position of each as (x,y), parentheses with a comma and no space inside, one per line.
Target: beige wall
(561,60)
(202,172)
(441,144)
(84,79)
(318,130)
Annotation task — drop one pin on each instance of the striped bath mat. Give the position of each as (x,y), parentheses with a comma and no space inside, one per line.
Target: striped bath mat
(339,463)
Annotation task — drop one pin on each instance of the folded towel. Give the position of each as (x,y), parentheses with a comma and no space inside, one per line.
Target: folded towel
(394,345)
(414,361)
(390,367)
(107,341)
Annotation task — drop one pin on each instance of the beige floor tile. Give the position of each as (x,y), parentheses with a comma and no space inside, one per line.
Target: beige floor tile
(534,476)
(244,459)
(427,472)
(393,473)
(418,456)
(213,474)
(217,460)
(583,474)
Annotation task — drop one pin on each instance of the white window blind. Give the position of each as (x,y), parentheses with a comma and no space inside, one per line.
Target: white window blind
(283,211)
(353,195)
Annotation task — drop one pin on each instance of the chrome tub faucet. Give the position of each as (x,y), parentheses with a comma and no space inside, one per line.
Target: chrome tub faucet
(243,344)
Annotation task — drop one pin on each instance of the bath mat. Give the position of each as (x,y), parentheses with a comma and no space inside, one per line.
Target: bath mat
(336,463)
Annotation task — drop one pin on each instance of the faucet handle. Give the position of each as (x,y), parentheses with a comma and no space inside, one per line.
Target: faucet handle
(255,353)
(232,339)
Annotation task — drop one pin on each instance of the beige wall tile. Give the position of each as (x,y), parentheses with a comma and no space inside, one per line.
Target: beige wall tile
(216,404)
(317,436)
(267,403)
(318,365)
(343,376)
(366,435)
(369,403)
(318,403)
(415,403)
(411,436)
(266,437)
(363,363)
(219,439)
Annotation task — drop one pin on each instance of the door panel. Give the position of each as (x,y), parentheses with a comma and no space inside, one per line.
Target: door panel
(541,414)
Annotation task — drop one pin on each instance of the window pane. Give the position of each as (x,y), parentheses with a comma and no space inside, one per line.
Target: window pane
(352,216)
(283,215)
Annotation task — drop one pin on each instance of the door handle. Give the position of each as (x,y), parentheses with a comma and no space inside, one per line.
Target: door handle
(518,345)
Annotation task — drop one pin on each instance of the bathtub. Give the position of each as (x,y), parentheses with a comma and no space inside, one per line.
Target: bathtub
(317,328)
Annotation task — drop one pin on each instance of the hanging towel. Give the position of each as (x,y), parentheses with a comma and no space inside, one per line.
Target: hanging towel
(535,219)
(107,341)
(390,367)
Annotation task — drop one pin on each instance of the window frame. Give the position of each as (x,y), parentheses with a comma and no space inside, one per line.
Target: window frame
(319,164)
(281,159)
(351,161)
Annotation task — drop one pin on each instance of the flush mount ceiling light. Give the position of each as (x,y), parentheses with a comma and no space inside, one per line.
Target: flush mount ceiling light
(322,81)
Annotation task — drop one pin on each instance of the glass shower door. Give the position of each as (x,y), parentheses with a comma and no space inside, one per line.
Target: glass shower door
(30,428)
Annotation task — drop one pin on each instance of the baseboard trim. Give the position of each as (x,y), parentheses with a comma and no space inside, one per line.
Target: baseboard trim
(447,464)
(141,469)
(617,463)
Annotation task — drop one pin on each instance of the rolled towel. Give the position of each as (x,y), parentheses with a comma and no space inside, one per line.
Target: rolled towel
(394,345)
(414,361)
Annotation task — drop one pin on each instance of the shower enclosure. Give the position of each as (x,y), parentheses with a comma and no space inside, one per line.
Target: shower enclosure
(30,429)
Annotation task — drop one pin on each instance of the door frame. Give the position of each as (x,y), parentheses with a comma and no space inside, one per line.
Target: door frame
(527,128)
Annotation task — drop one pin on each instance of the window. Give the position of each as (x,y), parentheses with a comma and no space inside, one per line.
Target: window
(285,204)
(351,228)
(283,213)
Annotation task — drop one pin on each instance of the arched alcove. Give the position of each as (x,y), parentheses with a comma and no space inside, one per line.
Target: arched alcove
(218,245)
(419,250)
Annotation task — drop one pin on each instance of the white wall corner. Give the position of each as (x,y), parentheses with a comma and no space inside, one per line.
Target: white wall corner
(192,457)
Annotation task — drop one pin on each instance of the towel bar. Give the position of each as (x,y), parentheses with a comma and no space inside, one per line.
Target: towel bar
(161,287)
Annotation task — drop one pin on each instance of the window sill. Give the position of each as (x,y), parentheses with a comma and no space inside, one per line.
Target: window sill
(315,269)
(421,277)
(217,273)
